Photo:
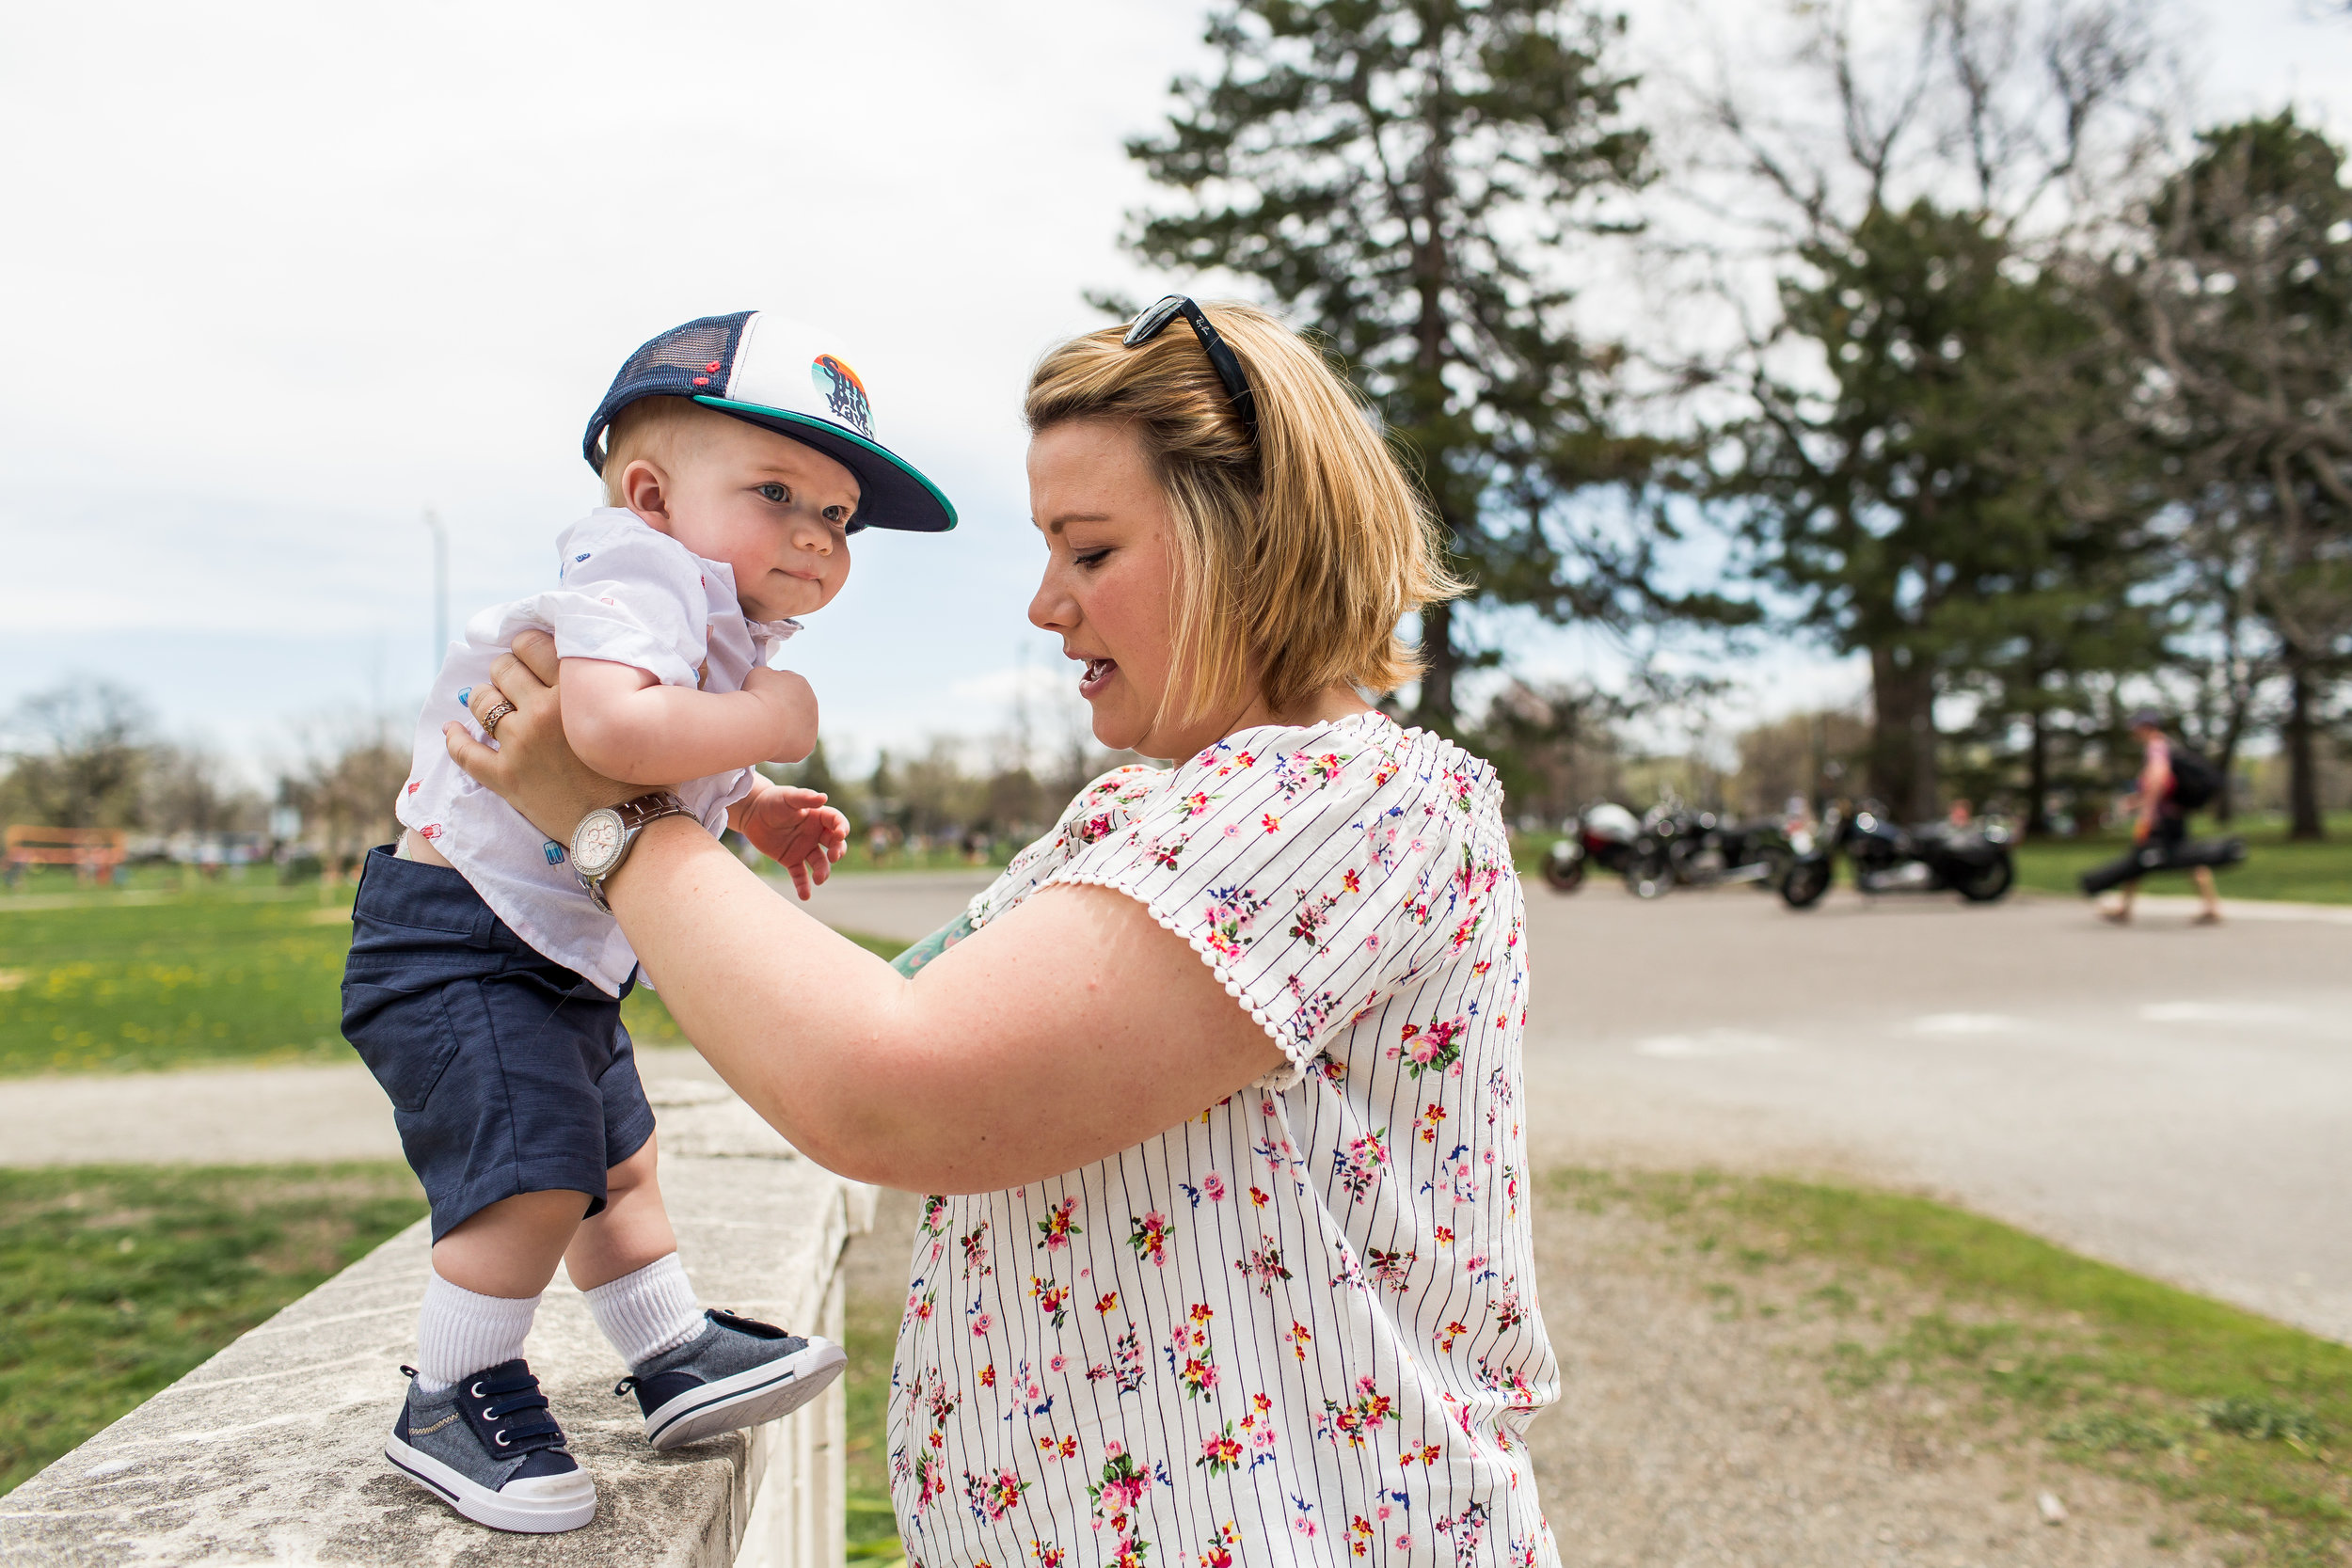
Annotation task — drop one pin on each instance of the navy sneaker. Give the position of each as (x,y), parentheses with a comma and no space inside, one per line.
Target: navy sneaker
(735,1373)
(489,1447)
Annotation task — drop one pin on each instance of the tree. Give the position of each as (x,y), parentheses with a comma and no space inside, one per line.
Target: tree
(80,756)
(1941,503)
(2247,297)
(1404,176)
(347,786)
(1926,468)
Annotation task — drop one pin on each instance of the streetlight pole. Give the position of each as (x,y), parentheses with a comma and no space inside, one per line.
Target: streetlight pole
(440,586)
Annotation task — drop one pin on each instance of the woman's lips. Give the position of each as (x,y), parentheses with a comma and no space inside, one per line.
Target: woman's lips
(1096,676)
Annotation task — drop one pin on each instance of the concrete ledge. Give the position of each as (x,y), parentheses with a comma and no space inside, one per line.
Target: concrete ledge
(272,1451)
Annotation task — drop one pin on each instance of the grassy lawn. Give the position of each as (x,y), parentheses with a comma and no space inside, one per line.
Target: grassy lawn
(155,978)
(115,1281)
(223,973)
(2301,873)
(2245,1420)
(871,1332)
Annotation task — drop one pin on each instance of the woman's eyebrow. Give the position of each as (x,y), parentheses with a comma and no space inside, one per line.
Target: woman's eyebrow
(1068,518)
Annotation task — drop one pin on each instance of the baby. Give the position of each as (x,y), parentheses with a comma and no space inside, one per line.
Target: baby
(485,983)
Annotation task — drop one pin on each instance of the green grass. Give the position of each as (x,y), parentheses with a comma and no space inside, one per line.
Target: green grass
(221,974)
(2300,872)
(870,1338)
(2247,1421)
(115,1281)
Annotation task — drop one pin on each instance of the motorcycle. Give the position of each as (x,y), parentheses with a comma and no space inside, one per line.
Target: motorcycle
(1601,834)
(1684,848)
(1974,861)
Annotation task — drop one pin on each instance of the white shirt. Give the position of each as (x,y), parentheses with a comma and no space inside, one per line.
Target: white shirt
(630,594)
(1299,1327)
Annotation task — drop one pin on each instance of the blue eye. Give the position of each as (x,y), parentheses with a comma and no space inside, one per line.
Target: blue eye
(775,493)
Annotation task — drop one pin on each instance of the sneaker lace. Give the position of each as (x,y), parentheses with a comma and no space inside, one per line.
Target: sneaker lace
(506,1398)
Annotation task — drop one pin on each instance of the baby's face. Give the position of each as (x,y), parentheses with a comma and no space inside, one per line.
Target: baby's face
(774,510)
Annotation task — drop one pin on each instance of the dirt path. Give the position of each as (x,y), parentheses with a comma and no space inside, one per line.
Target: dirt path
(1693,1435)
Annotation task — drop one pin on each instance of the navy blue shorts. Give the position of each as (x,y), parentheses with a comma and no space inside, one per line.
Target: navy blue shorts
(508,1074)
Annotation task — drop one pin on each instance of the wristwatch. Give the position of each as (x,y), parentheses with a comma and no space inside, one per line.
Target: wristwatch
(602,840)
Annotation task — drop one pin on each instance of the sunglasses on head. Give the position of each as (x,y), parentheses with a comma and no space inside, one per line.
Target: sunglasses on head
(1151,323)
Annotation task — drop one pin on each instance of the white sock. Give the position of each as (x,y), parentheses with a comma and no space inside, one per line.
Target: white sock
(460,1333)
(647,1312)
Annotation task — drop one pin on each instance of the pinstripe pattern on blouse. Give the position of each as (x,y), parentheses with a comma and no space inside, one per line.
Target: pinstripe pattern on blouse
(1301,1328)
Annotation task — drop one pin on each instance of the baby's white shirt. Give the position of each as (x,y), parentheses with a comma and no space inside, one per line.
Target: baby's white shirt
(630,594)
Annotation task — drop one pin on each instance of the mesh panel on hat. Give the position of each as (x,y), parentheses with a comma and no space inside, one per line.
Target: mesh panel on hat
(686,362)
(692,348)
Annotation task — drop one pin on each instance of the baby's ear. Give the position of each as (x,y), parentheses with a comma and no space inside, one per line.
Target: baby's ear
(645,491)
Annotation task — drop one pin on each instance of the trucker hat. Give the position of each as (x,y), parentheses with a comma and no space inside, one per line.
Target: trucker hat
(783,375)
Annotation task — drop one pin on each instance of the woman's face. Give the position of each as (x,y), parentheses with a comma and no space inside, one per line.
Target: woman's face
(1109,579)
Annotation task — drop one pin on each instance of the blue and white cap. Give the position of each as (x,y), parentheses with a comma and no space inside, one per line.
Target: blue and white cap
(781,375)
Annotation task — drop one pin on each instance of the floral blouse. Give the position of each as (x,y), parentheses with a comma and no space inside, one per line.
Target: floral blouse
(1301,1326)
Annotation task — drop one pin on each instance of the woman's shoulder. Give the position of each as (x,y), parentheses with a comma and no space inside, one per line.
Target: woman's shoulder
(1104,807)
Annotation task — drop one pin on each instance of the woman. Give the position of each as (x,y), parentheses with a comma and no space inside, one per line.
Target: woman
(1222,1078)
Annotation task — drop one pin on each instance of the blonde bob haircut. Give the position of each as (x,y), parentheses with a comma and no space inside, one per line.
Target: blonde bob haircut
(1294,556)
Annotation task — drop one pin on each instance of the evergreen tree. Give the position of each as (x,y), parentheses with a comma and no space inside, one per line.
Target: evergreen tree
(1401,175)
(1948,501)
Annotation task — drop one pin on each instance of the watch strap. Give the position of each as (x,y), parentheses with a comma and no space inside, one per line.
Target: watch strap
(647,807)
(634,813)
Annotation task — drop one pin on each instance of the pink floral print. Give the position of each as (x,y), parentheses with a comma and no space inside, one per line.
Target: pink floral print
(1293,1328)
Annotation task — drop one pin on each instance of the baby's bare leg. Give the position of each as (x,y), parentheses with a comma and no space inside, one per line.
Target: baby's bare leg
(510,1248)
(633,1230)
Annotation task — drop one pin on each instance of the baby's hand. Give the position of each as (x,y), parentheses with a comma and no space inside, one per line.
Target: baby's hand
(795,829)
(792,705)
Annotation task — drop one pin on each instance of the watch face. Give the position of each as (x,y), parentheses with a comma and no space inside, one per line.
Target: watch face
(597,844)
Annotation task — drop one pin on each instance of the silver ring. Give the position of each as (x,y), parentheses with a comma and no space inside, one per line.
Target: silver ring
(490,721)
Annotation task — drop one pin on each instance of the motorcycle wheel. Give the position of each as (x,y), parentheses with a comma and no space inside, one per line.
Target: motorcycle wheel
(1984,884)
(1651,874)
(1807,881)
(1777,863)
(1563,875)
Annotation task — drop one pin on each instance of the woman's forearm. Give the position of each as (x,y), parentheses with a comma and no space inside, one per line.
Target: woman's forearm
(1037,1046)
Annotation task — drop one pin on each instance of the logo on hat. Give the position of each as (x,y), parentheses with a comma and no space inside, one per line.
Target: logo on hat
(845,394)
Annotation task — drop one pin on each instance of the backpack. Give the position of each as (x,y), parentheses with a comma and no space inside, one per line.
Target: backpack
(2195,780)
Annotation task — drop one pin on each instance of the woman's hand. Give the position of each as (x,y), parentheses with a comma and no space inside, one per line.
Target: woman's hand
(533,766)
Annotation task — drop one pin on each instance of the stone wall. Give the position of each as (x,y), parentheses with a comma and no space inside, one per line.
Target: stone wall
(272,1451)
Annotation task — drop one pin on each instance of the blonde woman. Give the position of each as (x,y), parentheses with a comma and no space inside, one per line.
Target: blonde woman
(1221,1079)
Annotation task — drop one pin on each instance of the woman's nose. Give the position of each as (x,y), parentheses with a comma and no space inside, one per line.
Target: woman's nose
(1049,608)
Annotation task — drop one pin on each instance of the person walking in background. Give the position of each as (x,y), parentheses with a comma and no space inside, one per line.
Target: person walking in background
(2171,784)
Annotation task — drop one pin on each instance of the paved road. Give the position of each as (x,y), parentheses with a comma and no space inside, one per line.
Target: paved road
(2175,1100)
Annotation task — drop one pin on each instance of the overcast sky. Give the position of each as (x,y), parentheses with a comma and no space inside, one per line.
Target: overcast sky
(278,277)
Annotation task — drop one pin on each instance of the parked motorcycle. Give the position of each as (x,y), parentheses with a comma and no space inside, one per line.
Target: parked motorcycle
(1686,848)
(1601,834)
(1974,861)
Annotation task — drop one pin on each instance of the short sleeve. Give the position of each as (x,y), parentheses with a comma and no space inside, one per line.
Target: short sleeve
(1311,869)
(633,596)
(1104,807)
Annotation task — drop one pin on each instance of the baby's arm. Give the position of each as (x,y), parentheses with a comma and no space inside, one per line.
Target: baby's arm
(627,726)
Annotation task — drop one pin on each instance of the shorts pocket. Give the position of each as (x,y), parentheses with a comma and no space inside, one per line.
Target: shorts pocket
(406,1037)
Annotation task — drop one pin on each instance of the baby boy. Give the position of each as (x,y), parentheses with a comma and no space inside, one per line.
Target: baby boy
(485,983)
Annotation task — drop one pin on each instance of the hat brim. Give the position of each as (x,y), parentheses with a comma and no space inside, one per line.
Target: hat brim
(893,493)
